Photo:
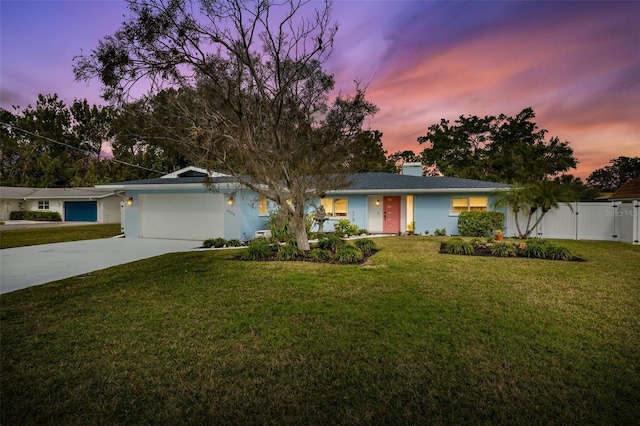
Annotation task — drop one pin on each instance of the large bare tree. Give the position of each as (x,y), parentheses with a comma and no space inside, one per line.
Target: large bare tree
(248,79)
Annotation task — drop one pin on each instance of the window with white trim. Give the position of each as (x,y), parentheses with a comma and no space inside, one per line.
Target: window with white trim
(43,205)
(469,204)
(334,207)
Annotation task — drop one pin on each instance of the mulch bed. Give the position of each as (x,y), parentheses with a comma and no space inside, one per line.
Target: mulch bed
(274,258)
(485,250)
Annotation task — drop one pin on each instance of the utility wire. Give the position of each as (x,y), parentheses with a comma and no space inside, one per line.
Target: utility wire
(78,149)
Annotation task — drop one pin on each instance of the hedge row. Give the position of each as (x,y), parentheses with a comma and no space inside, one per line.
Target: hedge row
(36,215)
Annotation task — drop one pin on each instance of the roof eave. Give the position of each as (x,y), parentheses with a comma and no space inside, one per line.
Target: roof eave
(157,186)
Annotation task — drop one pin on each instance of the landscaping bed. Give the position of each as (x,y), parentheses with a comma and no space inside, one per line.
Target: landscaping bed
(532,248)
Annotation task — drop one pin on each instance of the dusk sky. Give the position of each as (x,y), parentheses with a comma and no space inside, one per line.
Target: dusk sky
(577,63)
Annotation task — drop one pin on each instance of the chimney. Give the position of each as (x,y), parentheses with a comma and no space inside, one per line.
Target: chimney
(412,169)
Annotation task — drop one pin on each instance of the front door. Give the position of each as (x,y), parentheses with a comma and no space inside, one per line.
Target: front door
(391,224)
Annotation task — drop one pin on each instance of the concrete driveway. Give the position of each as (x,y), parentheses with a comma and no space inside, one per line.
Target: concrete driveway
(24,267)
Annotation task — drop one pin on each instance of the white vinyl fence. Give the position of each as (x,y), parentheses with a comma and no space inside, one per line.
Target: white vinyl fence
(608,221)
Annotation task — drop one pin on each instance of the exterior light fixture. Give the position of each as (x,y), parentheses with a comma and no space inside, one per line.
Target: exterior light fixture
(377,202)
(230,200)
(130,202)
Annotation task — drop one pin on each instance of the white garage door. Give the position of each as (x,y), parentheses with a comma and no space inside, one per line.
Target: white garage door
(182,216)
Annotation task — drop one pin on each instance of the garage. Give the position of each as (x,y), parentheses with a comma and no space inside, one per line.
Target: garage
(182,216)
(80,211)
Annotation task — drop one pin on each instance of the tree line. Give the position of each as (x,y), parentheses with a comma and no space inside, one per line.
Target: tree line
(52,144)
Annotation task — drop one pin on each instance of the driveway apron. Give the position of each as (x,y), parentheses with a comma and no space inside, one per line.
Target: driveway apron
(24,267)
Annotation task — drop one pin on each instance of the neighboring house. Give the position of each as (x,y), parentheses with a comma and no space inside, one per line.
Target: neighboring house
(73,204)
(178,206)
(629,191)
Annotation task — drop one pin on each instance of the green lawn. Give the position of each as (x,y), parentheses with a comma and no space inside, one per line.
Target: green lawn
(411,337)
(29,237)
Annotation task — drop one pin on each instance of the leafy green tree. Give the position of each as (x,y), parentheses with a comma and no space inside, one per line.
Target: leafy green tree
(54,145)
(581,191)
(366,154)
(504,149)
(142,136)
(250,82)
(399,158)
(610,178)
(529,199)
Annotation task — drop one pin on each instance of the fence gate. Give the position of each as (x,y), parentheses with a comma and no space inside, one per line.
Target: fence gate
(605,221)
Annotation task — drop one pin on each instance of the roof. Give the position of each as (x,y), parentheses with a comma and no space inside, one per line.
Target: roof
(630,190)
(17,193)
(185,178)
(372,182)
(360,183)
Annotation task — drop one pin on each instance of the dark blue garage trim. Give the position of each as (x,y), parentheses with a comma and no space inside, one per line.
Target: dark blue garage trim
(81,211)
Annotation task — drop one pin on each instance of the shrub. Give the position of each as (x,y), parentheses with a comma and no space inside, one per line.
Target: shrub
(440,232)
(479,224)
(214,242)
(535,249)
(477,241)
(365,245)
(330,242)
(289,252)
(344,227)
(279,226)
(459,246)
(234,243)
(35,215)
(555,252)
(348,253)
(504,250)
(320,255)
(259,249)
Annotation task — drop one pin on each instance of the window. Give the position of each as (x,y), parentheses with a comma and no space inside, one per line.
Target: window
(263,209)
(335,207)
(469,204)
(478,204)
(43,205)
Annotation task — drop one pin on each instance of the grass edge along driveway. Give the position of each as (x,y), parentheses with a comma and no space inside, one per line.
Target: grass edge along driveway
(412,336)
(10,238)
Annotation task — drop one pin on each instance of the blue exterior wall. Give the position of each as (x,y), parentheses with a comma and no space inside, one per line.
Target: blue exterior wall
(250,220)
(241,221)
(132,215)
(433,211)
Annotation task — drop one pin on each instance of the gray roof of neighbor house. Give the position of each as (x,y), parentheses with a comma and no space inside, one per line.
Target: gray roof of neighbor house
(17,193)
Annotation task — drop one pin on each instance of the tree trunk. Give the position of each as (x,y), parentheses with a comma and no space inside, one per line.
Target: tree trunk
(537,221)
(299,228)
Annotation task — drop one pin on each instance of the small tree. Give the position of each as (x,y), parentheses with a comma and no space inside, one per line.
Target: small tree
(531,198)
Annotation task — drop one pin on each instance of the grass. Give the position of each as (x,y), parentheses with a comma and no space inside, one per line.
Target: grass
(10,238)
(410,337)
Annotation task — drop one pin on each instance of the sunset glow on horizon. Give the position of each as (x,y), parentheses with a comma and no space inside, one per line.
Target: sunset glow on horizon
(577,64)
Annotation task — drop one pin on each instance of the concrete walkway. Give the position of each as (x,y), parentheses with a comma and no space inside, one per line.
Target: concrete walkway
(24,267)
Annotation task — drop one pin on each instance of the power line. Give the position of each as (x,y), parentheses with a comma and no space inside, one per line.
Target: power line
(78,149)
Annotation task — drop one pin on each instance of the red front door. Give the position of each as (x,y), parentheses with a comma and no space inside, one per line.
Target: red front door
(391,218)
